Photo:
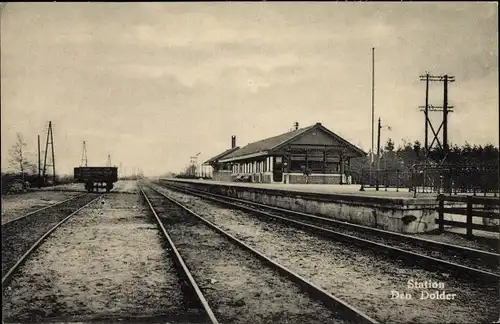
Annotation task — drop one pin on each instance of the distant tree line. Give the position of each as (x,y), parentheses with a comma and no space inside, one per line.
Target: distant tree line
(408,154)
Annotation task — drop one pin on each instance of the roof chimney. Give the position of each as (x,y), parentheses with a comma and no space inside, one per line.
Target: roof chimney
(233,141)
(296,125)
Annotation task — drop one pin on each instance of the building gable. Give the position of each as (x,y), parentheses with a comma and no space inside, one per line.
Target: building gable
(322,136)
(316,136)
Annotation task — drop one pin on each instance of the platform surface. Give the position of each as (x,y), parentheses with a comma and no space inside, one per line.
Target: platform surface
(352,190)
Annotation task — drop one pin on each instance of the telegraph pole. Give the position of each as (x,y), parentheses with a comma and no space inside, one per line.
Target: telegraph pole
(378,153)
(83,162)
(445,116)
(378,144)
(50,141)
(378,150)
(373,101)
(109,161)
(39,164)
(39,160)
(444,146)
(426,112)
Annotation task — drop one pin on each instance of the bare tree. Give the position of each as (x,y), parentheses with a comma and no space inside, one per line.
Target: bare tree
(31,166)
(18,158)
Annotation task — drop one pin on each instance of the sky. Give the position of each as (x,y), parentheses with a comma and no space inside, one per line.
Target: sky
(152,84)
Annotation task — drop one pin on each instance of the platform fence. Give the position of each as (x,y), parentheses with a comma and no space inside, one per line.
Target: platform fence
(450,180)
(486,208)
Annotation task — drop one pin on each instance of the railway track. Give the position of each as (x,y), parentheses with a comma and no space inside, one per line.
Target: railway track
(122,271)
(210,246)
(22,235)
(476,264)
(190,285)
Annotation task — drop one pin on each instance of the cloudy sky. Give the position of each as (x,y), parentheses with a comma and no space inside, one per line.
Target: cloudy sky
(155,83)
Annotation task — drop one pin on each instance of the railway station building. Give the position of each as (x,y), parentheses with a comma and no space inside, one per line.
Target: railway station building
(222,171)
(312,154)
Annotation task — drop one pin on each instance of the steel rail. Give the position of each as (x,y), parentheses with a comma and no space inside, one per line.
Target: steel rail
(179,260)
(42,209)
(490,258)
(330,301)
(8,275)
(408,257)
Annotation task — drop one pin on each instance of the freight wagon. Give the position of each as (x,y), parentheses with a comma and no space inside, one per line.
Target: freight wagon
(96,177)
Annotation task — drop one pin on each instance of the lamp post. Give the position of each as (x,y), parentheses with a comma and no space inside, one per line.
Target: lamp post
(378,151)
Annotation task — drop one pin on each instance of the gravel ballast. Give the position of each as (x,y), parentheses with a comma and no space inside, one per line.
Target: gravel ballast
(360,277)
(404,244)
(238,287)
(452,238)
(14,206)
(19,235)
(106,263)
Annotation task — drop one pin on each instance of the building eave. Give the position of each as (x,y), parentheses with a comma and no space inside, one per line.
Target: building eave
(244,157)
(217,158)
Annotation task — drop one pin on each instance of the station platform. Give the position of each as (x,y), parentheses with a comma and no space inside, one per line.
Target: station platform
(391,209)
(336,189)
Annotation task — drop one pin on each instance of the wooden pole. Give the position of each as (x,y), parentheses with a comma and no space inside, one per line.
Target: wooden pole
(39,160)
(378,155)
(373,100)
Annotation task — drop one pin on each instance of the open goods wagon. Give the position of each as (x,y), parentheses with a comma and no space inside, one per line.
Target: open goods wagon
(96,177)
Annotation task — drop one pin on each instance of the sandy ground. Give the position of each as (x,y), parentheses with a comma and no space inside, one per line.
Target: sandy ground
(455,238)
(238,287)
(359,277)
(105,263)
(126,186)
(14,206)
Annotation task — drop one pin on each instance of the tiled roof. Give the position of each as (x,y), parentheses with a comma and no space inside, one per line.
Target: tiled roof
(268,143)
(221,155)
